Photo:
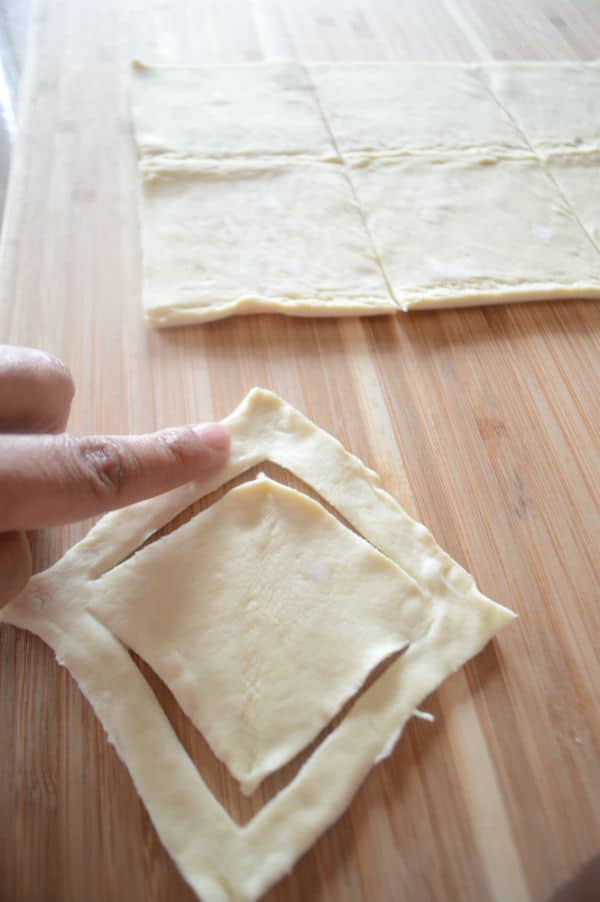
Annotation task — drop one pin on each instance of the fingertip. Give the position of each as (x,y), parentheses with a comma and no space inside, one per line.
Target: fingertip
(215,437)
(199,449)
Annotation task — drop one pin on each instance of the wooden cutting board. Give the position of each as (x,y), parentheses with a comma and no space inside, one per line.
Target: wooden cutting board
(483,422)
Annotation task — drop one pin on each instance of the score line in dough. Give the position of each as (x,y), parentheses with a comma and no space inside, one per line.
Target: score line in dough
(339,189)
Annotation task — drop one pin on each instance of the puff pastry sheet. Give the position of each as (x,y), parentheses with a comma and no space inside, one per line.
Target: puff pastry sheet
(365,188)
(263,614)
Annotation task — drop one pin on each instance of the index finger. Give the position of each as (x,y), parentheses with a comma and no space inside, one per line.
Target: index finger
(50,480)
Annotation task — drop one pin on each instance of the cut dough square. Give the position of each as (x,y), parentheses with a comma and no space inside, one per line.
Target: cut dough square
(411,107)
(446,619)
(465,231)
(556,105)
(578,177)
(246,205)
(252,237)
(227,110)
(260,577)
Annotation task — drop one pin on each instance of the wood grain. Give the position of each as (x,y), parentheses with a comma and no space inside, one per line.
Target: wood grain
(483,422)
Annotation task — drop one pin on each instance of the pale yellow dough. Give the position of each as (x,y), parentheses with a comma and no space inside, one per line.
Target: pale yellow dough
(264,607)
(578,178)
(261,577)
(412,107)
(246,204)
(473,229)
(256,109)
(555,105)
(239,237)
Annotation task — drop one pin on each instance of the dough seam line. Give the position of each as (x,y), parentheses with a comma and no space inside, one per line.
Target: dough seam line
(301,757)
(359,206)
(542,160)
(245,477)
(183,311)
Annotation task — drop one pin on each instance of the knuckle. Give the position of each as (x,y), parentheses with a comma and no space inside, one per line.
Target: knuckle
(106,466)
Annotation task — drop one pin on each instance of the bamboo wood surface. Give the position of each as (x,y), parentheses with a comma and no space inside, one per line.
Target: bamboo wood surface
(483,422)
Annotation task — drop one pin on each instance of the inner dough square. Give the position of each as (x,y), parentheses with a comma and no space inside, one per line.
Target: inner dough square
(459,230)
(556,105)
(227,110)
(411,106)
(578,177)
(223,238)
(273,574)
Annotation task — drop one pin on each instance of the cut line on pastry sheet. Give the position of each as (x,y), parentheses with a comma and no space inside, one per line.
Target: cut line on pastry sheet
(220,860)
(315,590)
(544,159)
(224,786)
(508,138)
(273,471)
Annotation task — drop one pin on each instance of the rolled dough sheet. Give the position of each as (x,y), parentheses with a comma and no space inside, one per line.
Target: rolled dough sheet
(248,236)
(556,105)
(249,210)
(408,108)
(527,244)
(263,606)
(578,178)
(257,109)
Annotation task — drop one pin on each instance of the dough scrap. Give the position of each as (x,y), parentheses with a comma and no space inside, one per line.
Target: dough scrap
(238,237)
(531,245)
(66,606)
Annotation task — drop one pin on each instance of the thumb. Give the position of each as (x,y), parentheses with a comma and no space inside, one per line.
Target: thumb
(48,480)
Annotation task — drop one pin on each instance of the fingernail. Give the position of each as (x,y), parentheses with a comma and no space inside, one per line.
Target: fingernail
(215,437)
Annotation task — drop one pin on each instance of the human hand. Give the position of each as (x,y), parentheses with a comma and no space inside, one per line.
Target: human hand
(583,887)
(49,477)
